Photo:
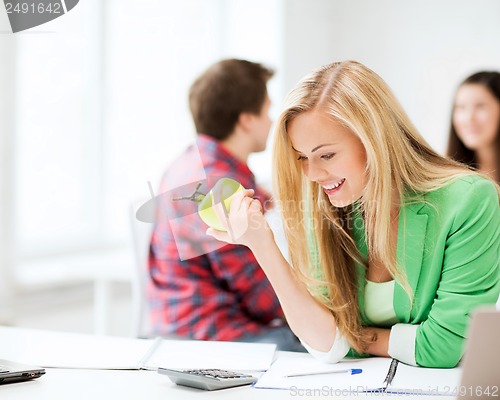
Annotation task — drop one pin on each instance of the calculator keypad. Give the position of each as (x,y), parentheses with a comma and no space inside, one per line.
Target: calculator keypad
(216,373)
(208,379)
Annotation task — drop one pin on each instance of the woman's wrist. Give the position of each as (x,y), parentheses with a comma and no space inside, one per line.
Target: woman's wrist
(378,339)
(264,245)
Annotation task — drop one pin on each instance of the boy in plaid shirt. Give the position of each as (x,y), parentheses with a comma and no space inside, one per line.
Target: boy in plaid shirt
(201,288)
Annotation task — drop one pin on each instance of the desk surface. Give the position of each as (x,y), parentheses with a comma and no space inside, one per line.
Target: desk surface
(97,384)
(87,384)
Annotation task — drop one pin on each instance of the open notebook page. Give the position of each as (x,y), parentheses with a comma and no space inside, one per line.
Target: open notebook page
(372,377)
(71,350)
(417,380)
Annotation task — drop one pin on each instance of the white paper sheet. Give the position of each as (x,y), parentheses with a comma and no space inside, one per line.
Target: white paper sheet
(417,380)
(408,380)
(372,377)
(71,350)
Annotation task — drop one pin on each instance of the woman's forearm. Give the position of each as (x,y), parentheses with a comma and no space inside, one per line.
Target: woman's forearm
(309,320)
(246,225)
(379,341)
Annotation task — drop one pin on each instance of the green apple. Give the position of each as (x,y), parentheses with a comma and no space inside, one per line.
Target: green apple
(226,188)
(223,191)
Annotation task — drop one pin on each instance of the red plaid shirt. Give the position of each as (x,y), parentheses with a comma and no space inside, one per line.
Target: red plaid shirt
(201,288)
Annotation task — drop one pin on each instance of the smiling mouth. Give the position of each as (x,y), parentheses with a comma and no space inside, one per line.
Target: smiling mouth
(334,187)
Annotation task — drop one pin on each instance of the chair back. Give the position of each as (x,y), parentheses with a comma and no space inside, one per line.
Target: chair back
(141,238)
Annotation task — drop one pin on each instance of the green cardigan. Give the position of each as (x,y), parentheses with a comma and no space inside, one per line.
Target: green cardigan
(449,248)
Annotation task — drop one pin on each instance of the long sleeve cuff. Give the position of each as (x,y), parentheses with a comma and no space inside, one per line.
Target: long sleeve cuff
(402,343)
(339,350)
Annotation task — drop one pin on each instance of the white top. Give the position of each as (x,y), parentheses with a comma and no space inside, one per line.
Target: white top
(379,303)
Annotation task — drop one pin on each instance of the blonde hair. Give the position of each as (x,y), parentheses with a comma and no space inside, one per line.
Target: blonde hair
(399,162)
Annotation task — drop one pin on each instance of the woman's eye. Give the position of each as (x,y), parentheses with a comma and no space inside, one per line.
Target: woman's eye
(328,156)
(302,158)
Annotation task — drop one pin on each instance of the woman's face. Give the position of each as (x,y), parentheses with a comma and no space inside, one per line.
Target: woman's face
(476,116)
(331,155)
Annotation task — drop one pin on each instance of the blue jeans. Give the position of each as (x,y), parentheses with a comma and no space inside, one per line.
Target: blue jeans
(282,337)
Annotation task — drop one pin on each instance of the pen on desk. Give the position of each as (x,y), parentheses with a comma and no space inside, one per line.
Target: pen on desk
(352,371)
(391,373)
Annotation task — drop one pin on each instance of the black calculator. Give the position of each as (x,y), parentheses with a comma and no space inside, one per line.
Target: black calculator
(208,379)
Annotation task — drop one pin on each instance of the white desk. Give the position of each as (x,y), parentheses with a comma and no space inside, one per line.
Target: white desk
(123,385)
(82,384)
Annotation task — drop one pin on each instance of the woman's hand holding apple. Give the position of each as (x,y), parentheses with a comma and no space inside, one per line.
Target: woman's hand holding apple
(245,222)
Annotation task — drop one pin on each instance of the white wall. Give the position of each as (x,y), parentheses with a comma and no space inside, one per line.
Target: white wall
(255,31)
(423,49)
(7,73)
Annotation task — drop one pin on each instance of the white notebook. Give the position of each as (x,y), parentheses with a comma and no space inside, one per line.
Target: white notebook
(375,371)
(72,350)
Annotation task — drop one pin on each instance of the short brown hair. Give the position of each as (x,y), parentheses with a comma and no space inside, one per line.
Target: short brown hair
(224,91)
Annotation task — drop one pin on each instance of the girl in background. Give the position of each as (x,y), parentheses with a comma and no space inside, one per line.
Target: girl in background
(475,124)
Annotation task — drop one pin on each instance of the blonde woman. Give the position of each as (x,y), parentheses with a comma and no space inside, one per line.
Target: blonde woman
(392,246)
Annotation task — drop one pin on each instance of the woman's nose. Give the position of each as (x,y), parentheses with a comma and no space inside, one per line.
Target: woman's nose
(315,171)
